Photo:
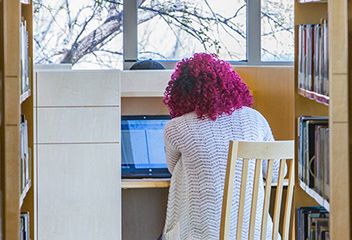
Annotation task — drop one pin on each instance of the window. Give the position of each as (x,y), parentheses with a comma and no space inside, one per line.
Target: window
(277,39)
(85,33)
(90,33)
(172,30)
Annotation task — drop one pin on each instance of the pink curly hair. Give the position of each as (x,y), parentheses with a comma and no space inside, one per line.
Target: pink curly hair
(206,85)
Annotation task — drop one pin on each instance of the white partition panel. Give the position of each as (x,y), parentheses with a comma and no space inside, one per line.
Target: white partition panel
(77,146)
(78,192)
(78,88)
(78,125)
(144,83)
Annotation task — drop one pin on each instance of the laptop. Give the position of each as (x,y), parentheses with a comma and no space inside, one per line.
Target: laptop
(143,148)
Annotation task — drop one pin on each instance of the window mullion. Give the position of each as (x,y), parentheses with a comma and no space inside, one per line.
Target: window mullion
(130,33)
(253,32)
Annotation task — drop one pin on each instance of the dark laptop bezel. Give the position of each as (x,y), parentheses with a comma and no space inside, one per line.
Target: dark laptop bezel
(129,170)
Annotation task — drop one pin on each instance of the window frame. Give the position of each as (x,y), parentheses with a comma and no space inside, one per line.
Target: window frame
(253,40)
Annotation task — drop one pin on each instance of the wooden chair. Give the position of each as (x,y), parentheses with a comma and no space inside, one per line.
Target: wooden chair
(260,151)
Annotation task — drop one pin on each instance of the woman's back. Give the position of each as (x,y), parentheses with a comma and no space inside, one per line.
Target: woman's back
(197,155)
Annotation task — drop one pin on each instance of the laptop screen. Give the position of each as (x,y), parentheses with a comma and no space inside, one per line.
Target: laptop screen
(143,149)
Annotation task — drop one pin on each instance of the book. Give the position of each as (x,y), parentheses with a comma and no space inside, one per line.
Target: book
(313,58)
(313,153)
(312,223)
(321,140)
(24,153)
(325,58)
(321,227)
(24,57)
(301,55)
(317,53)
(326,177)
(309,57)
(327,235)
(24,226)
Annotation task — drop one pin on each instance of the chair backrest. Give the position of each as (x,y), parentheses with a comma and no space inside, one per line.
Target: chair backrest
(282,151)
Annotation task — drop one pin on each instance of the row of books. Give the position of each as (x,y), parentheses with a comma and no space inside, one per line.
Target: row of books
(312,223)
(313,58)
(313,150)
(25,154)
(24,226)
(24,54)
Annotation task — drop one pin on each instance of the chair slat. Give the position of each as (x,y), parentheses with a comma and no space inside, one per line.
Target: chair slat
(269,177)
(258,169)
(288,203)
(242,199)
(266,150)
(278,199)
(228,191)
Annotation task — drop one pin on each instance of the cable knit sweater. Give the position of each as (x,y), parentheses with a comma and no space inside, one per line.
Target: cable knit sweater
(196,154)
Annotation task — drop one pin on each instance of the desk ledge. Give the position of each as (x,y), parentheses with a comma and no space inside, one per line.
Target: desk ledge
(157,183)
(145,183)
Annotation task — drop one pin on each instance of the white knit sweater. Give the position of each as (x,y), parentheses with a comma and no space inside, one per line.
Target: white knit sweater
(196,154)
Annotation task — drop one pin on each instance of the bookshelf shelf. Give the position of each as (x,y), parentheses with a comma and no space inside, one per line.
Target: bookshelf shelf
(25,95)
(319,98)
(24,193)
(312,1)
(25,1)
(316,196)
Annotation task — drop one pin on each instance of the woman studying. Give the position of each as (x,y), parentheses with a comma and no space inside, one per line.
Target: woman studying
(210,105)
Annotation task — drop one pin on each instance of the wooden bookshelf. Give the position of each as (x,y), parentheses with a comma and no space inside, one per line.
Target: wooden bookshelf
(335,106)
(15,201)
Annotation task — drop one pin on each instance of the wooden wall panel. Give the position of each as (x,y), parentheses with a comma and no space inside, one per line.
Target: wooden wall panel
(143,105)
(273,90)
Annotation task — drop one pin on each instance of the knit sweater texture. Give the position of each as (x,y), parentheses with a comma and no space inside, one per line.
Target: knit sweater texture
(196,151)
